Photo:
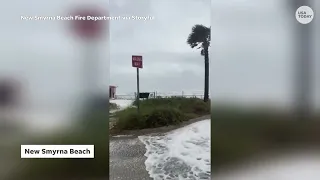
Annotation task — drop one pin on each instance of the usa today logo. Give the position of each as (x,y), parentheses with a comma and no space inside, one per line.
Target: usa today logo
(304,14)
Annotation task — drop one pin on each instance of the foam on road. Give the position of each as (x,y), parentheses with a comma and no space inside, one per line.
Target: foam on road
(183,154)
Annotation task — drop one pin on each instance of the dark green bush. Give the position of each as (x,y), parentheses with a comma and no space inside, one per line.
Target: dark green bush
(160,112)
(130,119)
(163,117)
(187,105)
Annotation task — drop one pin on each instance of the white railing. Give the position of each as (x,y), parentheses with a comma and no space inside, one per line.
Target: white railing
(132,96)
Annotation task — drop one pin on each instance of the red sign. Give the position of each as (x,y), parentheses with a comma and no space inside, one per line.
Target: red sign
(84,24)
(137,61)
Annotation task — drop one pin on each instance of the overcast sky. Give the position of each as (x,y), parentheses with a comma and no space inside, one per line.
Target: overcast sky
(252,51)
(170,65)
(251,47)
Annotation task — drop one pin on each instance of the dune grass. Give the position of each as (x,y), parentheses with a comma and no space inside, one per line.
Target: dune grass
(159,112)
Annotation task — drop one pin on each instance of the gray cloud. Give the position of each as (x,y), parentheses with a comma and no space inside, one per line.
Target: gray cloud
(251,47)
(169,63)
(252,51)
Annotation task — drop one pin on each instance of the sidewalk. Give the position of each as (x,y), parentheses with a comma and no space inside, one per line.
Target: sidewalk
(127,159)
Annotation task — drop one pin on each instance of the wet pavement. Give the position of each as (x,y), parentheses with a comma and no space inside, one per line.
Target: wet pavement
(127,155)
(127,160)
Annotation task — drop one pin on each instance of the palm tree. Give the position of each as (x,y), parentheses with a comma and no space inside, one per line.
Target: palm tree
(200,38)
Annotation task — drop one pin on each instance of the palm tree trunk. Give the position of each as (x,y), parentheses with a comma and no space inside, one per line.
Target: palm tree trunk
(206,75)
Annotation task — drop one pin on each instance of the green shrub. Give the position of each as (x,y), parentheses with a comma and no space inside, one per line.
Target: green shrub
(186,105)
(160,112)
(129,119)
(163,116)
(195,106)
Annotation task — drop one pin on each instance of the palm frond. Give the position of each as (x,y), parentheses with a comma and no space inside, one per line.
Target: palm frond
(199,36)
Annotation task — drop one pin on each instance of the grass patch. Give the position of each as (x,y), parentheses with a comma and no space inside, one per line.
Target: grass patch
(161,112)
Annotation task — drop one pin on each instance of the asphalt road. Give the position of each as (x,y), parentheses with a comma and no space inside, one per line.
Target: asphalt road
(127,153)
(127,159)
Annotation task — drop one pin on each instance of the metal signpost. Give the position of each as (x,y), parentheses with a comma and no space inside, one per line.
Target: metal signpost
(89,31)
(137,63)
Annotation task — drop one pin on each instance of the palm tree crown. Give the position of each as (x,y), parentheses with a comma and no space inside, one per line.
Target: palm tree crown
(199,37)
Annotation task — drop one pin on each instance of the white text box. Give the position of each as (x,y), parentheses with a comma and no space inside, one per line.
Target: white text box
(57,151)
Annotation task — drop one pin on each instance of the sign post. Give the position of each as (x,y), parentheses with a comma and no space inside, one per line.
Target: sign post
(138,91)
(137,63)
